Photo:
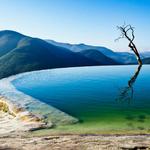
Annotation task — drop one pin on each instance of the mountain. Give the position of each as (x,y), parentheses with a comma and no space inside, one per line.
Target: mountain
(80,47)
(145,54)
(8,41)
(127,58)
(98,56)
(146,60)
(120,57)
(20,53)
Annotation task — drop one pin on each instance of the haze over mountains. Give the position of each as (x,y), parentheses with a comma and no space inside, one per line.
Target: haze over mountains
(121,57)
(20,53)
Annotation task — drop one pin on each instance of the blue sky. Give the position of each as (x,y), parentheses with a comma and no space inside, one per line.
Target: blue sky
(78,21)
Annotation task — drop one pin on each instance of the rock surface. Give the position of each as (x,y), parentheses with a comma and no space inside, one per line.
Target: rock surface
(10,124)
(75,142)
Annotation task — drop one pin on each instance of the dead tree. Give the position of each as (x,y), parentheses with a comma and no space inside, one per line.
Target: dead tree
(125,31)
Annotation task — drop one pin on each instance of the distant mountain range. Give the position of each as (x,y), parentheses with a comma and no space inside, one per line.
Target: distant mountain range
(20,53)
(121,57)
(146,60)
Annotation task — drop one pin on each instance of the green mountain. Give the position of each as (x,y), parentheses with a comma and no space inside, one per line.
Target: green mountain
(9,41)
(20,53)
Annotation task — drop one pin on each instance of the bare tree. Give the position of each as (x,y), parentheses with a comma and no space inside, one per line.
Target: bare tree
(127,31)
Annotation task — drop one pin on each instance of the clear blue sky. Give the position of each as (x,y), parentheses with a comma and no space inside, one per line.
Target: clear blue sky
(78,21)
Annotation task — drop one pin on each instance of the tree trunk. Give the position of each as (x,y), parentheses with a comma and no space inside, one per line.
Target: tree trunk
(134,49)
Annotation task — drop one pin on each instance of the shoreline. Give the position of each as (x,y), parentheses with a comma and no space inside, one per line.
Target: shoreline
(12,139)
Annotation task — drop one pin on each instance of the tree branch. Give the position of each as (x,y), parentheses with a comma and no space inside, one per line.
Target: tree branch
(125,29)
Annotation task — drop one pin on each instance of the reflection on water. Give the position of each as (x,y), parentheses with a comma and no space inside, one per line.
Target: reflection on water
(126,94)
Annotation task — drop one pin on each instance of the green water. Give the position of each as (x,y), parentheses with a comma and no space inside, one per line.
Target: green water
(105,99)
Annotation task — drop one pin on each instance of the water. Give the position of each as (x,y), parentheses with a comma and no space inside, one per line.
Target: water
(105,98)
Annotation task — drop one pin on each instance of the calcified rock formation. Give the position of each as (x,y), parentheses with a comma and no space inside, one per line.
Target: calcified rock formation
(127,31)
(16,119)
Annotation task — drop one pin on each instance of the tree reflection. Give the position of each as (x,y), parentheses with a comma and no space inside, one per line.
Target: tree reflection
(127,92)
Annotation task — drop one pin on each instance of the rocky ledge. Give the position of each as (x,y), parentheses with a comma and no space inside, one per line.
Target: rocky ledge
(16,119)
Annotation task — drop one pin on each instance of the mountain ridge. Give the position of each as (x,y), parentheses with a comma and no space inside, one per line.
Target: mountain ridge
(116,56)
(20,53)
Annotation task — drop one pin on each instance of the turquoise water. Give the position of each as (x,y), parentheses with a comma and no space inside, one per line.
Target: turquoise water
(102,98)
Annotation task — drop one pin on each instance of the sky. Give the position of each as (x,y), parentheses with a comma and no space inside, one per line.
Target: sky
(79,21)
